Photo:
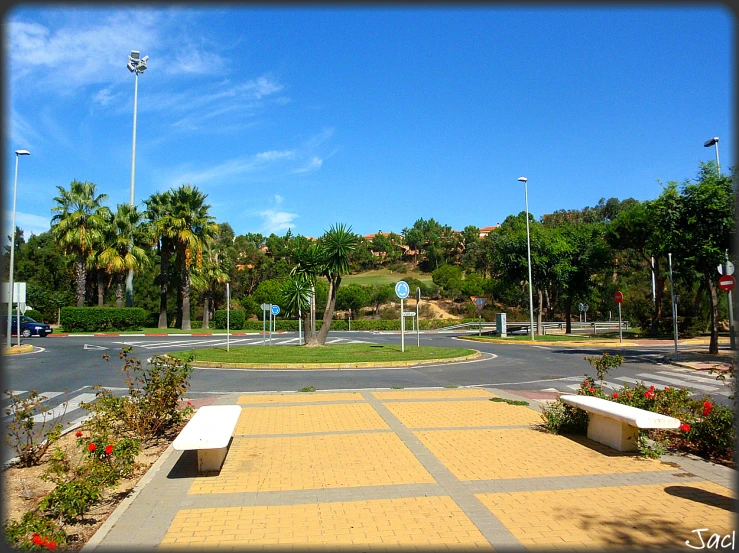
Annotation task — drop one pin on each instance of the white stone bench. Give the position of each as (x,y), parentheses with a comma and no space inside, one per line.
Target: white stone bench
(209,432)
(615,424)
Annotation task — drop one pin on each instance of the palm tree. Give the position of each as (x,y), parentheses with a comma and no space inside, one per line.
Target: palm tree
(158,209)
(206,278)
(337,245)
(308,259)
(191,226)
(296,294)
(78,225)
(123,249)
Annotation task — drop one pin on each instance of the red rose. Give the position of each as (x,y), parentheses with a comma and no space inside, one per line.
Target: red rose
(189,404)
(78,433)
(615,395)
(590,390)
(108,449)
(36,539)
(51,546)
(667,388)
(685,427)
(92,447)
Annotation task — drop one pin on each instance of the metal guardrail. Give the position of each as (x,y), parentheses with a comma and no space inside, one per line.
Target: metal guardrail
(515,326)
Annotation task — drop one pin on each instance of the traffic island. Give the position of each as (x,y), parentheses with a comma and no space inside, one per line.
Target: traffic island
(339,356)
(16,349)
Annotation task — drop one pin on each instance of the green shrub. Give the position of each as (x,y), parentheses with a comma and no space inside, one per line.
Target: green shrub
(28,436)
(96,319)
(236,319)
(33,530)
(713,435)
(560,418)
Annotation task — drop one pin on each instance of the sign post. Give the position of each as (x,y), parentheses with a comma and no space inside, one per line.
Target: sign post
(727,269)
(274,311)
(619,297)
(402,290)
(479,302)
(228,318)
(265,307)
(674,302)
(418,321)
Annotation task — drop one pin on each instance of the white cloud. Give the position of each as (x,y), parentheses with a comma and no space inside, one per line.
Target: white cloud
(273,155)
(279,199)
(104,96)
(313,165)
(277,222)
(27,222)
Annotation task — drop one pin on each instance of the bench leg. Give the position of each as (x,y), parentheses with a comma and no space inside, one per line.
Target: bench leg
(613,433)
(211,460)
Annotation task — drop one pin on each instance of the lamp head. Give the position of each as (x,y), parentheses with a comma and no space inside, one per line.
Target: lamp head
(131,68)
(22,153)
(711,142)
(522,179)
(135,54)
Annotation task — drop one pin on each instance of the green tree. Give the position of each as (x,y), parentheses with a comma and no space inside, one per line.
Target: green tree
(207,279)
(191,226)
(125,247)
(78,223)
(336,244)
(158,210)
(352,297)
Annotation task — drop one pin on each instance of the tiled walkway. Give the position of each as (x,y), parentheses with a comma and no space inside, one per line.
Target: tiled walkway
(417,469)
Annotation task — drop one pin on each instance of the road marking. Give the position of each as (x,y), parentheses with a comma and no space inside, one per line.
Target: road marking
(680,382)
(63,408)
(90,346)
(705,380)
(655,384)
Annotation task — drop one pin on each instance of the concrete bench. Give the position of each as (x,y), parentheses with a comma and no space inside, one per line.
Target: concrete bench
(209,432)
(617,425)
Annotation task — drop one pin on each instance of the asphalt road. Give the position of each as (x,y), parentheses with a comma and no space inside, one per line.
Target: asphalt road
(65,369)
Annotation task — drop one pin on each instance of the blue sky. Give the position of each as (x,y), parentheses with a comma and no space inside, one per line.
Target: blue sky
(370,115)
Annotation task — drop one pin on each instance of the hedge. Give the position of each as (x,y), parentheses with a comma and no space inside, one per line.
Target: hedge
(237,318)
(91,319)
(357,324)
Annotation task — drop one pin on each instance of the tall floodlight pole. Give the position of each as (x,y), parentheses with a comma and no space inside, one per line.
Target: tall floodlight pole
(136,65)
(18,153)
(524,180)
(714,142)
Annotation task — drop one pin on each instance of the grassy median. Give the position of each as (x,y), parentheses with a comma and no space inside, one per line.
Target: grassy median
(335,353)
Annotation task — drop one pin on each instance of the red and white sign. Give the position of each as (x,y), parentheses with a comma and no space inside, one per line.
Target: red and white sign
(618,296)
(479,301)
(727,283)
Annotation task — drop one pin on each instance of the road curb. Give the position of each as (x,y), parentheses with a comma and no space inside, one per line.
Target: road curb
(358,365)
(15,350)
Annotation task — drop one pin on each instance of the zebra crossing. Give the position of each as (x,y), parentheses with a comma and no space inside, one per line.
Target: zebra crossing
(222,342)
(677,377)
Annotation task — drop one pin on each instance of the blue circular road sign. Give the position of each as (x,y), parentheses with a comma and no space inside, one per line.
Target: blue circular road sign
(402,289)
(275,309)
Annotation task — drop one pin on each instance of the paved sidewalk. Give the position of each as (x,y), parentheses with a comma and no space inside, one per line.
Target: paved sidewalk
(417,469)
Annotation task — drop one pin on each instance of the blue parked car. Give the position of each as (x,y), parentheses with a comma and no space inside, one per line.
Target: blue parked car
(29,327)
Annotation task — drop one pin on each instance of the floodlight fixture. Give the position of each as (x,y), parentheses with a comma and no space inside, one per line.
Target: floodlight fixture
(522,179)
(131,68)
(709,143)
(22,153)
(135,54)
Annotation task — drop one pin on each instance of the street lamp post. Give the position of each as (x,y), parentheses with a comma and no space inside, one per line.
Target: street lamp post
(524,180)
(714,142)
(18,153)
(136,65)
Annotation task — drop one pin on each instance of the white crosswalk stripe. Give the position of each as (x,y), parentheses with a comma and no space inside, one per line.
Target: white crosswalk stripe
(677,378)
(680,382)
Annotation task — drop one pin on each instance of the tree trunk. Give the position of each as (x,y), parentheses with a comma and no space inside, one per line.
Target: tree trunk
(119,294)
(185,293)
(81,277)
(328,313)
(568,316)
(163,287)
(206,310)
(101,288)
(713,346)
(539,327)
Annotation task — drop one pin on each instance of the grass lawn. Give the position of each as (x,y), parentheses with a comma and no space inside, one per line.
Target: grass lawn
(337,353)
(383,276)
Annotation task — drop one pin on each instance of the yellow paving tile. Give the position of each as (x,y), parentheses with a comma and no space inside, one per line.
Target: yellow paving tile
(450,414)
(526,452)
(297,419)
(644,516)
(298,398)
(433,394)
(410,522)
(313,462)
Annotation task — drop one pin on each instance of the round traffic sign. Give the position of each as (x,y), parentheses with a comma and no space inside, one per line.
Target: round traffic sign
(726,268)
(275,309)
(618,296)
(402,289)
(727,283)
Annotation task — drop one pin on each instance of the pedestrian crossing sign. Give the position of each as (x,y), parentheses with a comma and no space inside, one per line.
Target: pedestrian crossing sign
(479,301)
